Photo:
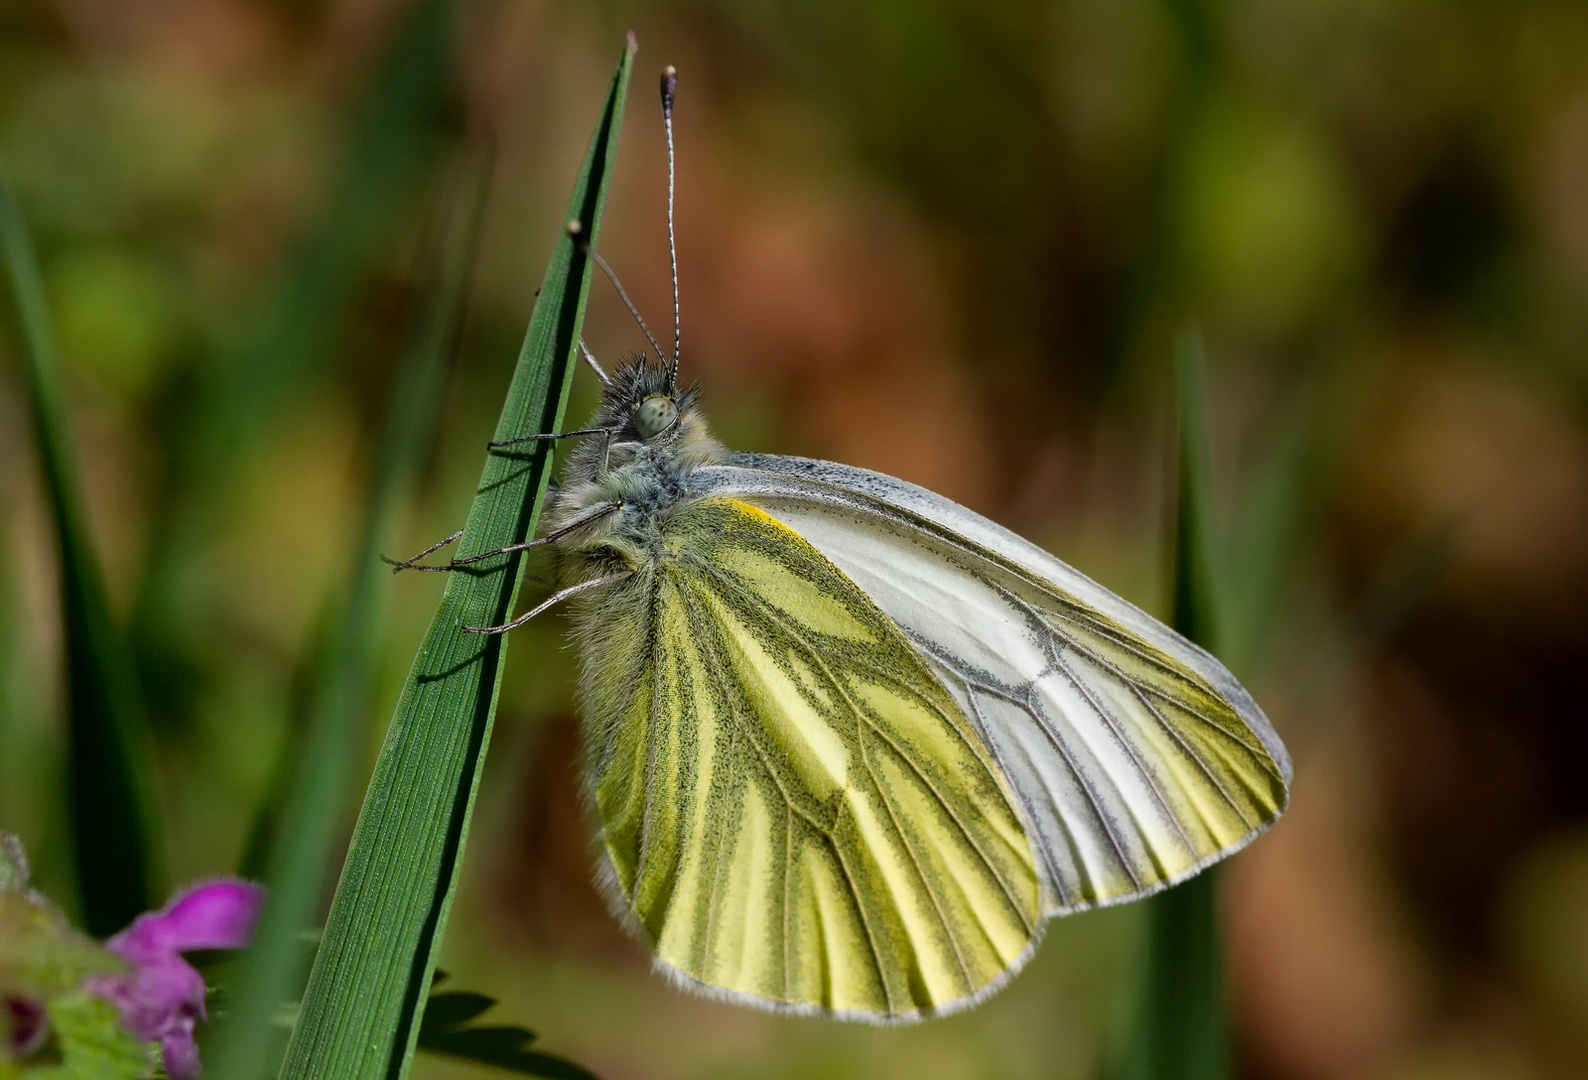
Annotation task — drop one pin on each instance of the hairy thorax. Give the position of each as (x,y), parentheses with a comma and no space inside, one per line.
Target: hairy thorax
(644,480)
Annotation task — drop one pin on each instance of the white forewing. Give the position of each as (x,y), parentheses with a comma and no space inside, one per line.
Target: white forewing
(1135,756)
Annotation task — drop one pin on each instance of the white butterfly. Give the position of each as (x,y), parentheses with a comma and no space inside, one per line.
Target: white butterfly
(849,744)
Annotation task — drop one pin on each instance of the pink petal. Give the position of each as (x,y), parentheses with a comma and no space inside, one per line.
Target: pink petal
(156,998)
(220,915)
(180,1054)
(163,996)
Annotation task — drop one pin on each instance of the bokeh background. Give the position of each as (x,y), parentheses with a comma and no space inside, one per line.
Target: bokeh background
(948,239)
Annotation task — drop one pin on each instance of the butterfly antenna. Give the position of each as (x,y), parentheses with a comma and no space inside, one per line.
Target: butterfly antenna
(576,233)
(669,92)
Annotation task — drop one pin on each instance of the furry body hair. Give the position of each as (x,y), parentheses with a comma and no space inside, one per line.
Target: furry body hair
(645,476)
(644,480)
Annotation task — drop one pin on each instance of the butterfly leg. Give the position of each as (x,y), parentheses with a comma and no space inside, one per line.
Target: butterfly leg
(550,538)
(413,563)
(605,433)
(590,359)
(608,432)
(556,598)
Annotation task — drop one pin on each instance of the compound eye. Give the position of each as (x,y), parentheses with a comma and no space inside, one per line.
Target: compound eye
(654,416)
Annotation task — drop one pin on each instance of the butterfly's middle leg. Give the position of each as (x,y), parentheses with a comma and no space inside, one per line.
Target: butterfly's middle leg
(596,514)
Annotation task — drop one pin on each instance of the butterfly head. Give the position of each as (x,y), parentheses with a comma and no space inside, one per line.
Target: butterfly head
(647,405)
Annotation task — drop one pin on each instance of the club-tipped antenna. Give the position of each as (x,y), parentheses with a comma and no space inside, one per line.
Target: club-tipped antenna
(590,359)
(576,233)
(669,92)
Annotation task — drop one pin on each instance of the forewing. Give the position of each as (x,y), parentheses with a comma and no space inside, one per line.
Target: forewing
(1136,757)
(795,810)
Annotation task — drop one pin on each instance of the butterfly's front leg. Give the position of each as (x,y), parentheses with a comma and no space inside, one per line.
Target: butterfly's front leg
(606,434)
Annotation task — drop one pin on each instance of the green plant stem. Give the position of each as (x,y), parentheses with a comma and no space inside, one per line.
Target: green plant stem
(1197,602)
(272,970)
(1178,1028)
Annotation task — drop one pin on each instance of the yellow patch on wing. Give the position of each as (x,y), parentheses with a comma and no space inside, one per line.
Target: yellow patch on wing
(795,808)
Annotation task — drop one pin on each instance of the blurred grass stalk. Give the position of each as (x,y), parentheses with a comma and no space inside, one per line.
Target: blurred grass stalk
(323,767)
(393,140)
(109,765)
(1177,1029)
(396,136)
(360,1013)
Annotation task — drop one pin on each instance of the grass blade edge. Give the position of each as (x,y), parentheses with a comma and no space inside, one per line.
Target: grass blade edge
(372,971)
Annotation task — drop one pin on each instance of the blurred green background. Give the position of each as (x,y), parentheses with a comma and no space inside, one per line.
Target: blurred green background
(947,239)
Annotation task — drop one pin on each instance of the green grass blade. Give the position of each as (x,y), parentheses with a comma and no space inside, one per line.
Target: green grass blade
(392,140)
(1278,502)
(271,973)
(360,1012)
(111,801)
(1196,579)
(1178,1030)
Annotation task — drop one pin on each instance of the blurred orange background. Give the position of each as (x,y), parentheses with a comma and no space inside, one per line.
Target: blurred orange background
(952,241)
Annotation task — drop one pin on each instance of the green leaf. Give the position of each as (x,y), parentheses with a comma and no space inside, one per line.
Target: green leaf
(43,960)
(111,803)
(40,953)
(1178,1030)
(445,1031)
(272,971)
(88,1043)
(360,1011)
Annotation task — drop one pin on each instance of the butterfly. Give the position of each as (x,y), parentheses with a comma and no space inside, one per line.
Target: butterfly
(849,745)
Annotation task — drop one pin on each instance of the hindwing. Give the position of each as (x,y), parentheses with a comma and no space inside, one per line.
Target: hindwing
(795,810)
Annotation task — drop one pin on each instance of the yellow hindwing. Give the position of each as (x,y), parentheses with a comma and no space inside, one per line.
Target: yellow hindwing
(793,807)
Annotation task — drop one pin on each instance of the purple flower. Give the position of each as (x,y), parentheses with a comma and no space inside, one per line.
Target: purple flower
(162,997)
